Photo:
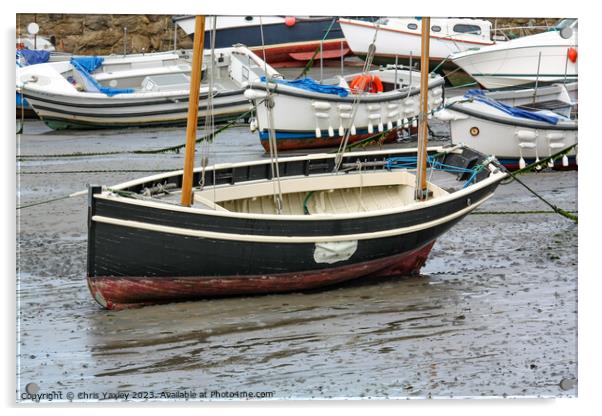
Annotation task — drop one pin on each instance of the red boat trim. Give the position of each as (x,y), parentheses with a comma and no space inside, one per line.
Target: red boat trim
(116,292)
(283,53)
(348,22)
(306,143)
(326,54)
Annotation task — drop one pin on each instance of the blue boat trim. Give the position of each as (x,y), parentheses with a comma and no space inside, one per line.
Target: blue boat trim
(283,134)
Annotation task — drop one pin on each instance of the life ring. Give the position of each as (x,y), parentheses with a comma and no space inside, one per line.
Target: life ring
(370,83)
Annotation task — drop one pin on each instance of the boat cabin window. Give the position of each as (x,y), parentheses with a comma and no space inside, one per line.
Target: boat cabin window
(464,28)
(436,28)
(382,21)
(248,18)
(412,26)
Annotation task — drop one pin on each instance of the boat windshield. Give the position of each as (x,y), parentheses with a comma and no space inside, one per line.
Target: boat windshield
(565,23)
(382,21)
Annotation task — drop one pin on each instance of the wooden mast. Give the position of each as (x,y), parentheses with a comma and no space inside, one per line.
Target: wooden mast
(193,109)
(421,185)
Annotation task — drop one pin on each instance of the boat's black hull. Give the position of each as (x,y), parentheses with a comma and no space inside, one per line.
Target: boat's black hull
(142,252)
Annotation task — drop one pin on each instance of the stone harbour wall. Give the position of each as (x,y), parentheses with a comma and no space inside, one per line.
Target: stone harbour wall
(94,34)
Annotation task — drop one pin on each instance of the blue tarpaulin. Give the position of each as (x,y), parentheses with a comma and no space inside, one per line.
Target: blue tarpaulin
(32,57)
(84,65)
(480,96)
(89,63)
(312,85)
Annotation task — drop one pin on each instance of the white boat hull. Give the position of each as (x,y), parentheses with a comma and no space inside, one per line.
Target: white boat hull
(305,119)
(394,42)
(542,58)
(506,137)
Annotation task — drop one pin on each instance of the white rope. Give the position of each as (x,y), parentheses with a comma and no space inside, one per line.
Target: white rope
(206,148)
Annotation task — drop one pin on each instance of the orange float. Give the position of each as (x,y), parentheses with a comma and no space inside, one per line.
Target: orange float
(366,82)
(572,52)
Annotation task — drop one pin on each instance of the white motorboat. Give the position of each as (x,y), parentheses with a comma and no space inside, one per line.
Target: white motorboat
(515,135)
(542,58)
(399,38)
(89,93)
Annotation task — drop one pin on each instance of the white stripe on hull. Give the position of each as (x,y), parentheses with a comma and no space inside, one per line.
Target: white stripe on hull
(287,239)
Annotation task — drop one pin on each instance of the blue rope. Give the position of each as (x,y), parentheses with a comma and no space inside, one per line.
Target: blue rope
(409,162)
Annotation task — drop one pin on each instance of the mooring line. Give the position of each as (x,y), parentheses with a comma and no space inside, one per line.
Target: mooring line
(175,149)
(517,212)
(537,166)
(56,172)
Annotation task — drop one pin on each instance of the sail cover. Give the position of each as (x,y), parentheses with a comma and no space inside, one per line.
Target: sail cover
(480,96)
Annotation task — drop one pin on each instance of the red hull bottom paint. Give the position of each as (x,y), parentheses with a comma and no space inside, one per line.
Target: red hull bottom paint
(127,292)
(296,144)
(292,54)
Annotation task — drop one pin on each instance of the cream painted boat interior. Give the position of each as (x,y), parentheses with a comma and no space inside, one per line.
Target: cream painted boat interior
(328,194)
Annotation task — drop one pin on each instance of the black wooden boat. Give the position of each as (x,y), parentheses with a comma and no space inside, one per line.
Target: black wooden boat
(143,247)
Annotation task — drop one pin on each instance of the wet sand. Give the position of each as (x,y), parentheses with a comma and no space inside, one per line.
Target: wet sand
(494,312)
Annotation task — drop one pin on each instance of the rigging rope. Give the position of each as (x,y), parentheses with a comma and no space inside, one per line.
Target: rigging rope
(273,146)
(313,57)
(356,102)
(206,146)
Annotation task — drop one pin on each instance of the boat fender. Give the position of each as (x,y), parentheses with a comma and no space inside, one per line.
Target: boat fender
(555,136)
(572,53)
(365,82)
(254,95)
(526,135)
(565,161)
(334,252)
(321,105)
(290,21)
(253,125)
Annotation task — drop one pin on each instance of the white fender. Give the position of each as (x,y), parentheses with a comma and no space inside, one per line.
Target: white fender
(321,105)
(254,94)
(555,135)
(526,134)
